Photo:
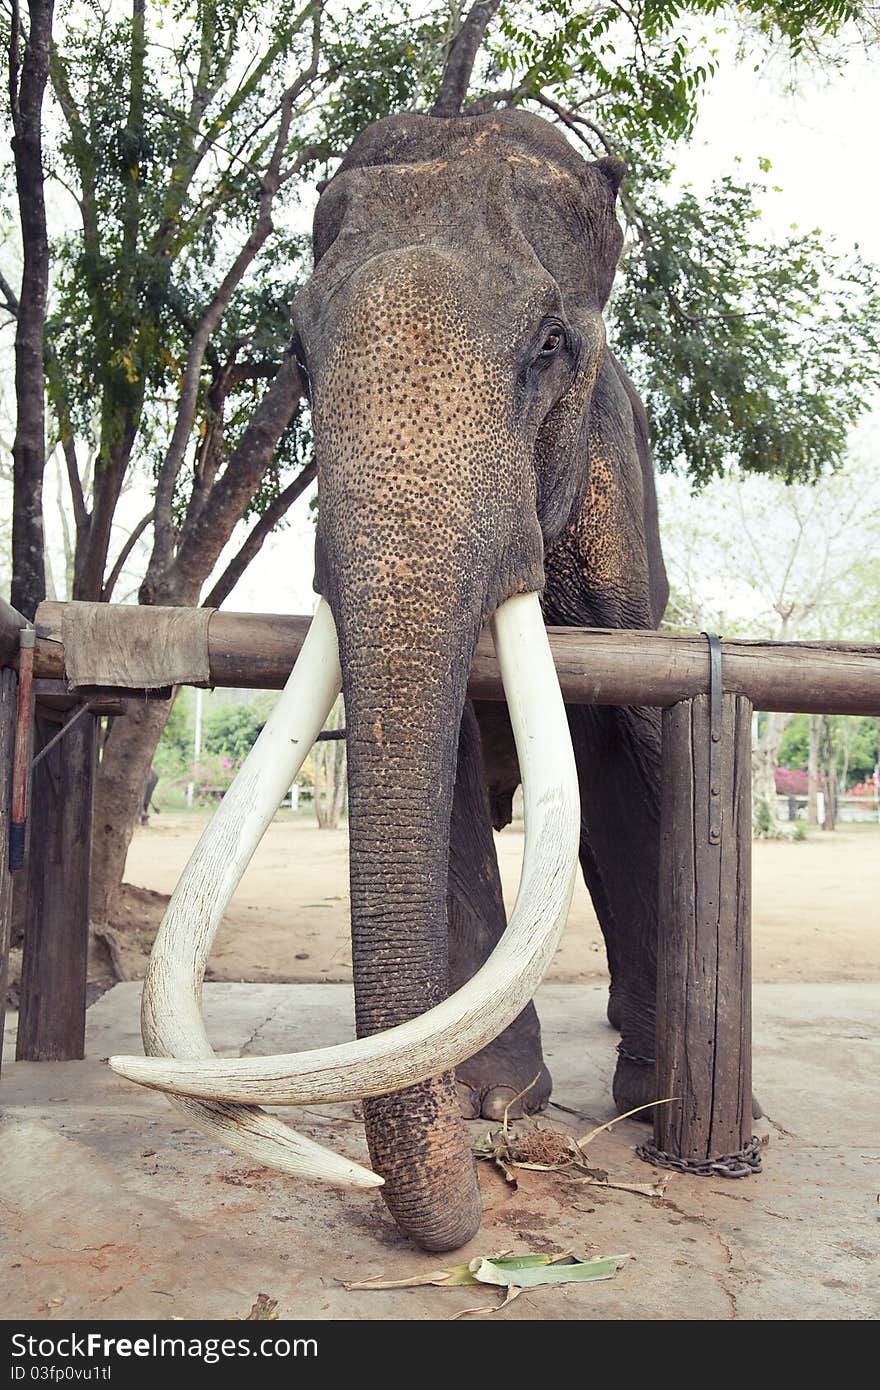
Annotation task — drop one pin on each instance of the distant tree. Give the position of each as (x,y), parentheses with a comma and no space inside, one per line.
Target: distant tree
(232,729)
(174,751)
(758,557)
(329,764)
(854,749)
(749,353)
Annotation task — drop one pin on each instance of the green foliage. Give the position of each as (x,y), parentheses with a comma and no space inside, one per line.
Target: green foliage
(164,137)
(795,746)
(174,751)
(854,742)
(388,58)
(745,350)
(640,69)
(163,140)
(231,730)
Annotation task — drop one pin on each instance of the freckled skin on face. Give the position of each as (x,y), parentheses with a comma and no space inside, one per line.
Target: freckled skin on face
(423,472)
(474,439)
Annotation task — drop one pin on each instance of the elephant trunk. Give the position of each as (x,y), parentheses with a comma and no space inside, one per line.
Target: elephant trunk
(404,695)
(418,542)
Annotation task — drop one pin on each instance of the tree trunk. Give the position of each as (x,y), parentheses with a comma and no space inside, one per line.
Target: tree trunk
(119,789)
(329,762)
(813,770)
(461,57)
(29,447)
(845,728)
(130,750)
(828,762)
(340,780)
(93,539)
(765,761)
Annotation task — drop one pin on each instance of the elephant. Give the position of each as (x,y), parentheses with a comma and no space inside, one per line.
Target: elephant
(147,799)
(476,442)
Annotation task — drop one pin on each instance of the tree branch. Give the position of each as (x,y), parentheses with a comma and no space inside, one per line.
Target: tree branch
(571,122)
(80,514)
(256,75)
(508,96)
(202,541)
(10,298)
(186,162)
(461,57)
(79,147)
(270,183)
(254,541)
(112,578)
(133,136)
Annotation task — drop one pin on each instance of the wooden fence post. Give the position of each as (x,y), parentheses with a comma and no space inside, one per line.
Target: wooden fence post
(704,1028)
(8,707)
(55,956)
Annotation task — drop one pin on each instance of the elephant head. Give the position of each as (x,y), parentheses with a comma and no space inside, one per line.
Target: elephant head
(451,334)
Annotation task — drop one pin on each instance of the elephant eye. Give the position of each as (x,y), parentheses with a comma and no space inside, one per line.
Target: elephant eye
(552,342)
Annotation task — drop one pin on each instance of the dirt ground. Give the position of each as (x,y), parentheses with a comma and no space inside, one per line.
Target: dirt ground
(816,906)
(114,1208)
(161,1224)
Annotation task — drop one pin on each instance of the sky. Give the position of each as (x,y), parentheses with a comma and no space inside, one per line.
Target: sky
(820,141)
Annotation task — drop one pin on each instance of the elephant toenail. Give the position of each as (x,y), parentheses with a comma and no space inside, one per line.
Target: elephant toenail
(468,1101)
(496,1101)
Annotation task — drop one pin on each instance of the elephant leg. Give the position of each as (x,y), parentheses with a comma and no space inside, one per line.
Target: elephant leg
(618,758)
(489,1081)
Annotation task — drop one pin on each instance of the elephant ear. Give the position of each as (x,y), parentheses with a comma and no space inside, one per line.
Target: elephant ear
(597,497)
(605,567)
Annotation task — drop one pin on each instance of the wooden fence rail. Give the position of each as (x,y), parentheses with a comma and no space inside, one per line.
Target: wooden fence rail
(595,666)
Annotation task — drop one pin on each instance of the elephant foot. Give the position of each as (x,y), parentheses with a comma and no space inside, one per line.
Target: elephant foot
(489,1081)
(615,1009)
(636,1084)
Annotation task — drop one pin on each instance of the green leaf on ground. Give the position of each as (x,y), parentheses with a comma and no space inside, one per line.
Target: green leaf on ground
(532,1276)
(507,1271)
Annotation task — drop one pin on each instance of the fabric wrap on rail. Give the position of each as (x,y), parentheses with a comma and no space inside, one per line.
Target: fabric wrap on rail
(123,645)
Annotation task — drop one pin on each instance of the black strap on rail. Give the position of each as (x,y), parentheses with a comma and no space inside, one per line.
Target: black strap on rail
(716,713)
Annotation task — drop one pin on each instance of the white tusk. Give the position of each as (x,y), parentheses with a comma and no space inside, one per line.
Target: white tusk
(271,1143)
(454,1030)
(171,1020)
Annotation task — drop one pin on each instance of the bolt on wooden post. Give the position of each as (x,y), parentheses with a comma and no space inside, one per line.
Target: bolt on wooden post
(704,1030)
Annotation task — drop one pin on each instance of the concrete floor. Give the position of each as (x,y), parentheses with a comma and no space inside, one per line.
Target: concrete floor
(112,1209)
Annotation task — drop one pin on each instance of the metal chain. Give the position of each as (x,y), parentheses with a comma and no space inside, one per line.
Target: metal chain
(626,1056)
(737,1165)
